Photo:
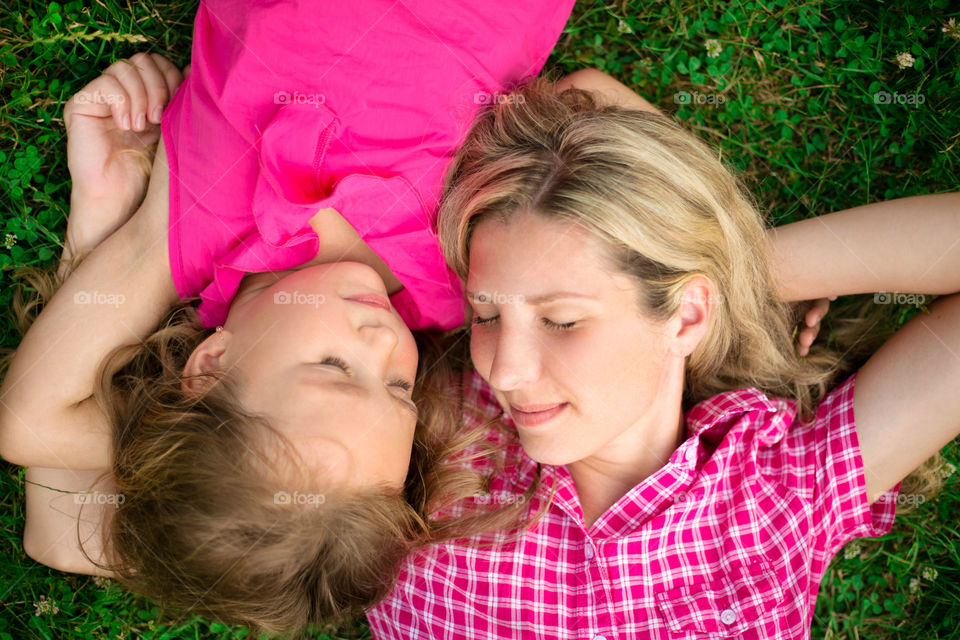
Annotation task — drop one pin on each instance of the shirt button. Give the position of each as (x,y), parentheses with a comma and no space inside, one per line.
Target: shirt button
(728,616)
(588,551)
(599,637)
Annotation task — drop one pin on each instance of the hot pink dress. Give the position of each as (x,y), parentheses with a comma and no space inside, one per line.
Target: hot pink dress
(293,107)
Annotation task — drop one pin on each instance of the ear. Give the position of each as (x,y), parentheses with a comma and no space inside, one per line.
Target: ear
(692,319)
(204,359)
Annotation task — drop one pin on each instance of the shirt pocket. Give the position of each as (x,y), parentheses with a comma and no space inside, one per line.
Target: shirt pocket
(724,606)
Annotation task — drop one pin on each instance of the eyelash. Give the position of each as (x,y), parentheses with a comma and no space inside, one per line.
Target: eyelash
(549,324)
(339,363)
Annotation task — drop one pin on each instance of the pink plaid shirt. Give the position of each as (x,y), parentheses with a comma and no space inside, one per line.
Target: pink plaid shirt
(729,539)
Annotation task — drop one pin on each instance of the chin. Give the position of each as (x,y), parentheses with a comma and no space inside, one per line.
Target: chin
(543,453)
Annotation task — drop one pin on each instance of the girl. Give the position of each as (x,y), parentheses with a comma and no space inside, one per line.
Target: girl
(679,473)
(263,471)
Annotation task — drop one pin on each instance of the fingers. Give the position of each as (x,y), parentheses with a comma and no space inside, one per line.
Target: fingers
(171,77)
(811,321)
(138,89)
(817,312)
(100,98)
(805,338)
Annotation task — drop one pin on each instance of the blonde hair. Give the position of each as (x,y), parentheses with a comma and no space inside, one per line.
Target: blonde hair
(666,209)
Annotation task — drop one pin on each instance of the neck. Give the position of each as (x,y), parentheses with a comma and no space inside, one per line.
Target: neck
(607,475)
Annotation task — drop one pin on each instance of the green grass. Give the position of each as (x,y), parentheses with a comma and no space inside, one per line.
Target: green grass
(795,100)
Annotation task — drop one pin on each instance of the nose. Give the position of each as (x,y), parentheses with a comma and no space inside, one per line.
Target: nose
(516,360)
(381,338)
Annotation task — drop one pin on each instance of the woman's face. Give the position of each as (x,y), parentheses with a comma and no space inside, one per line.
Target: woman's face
(563,343)
(323,354)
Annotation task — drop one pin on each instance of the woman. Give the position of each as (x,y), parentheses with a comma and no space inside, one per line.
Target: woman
(673,470)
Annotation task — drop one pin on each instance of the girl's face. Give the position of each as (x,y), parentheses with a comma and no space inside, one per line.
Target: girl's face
(324,355)
(563,343)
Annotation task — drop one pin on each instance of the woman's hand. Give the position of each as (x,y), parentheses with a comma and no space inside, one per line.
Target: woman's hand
(112,126)
(811,313)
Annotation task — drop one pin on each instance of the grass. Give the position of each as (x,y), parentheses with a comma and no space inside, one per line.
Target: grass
(806,100)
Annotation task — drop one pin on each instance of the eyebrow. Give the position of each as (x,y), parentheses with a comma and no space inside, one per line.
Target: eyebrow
(542,299)
(358,391)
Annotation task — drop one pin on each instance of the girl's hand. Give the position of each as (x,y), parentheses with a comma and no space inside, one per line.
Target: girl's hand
(112,125)
(811,313)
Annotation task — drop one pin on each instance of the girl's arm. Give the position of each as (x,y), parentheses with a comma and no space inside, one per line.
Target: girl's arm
(117,296)
(905,401)
(66,510)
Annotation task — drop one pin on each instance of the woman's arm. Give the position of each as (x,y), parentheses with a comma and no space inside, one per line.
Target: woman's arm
(898,246)
(117,296)
(906,402)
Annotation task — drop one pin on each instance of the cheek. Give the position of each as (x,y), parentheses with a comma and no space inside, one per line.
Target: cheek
(482,350)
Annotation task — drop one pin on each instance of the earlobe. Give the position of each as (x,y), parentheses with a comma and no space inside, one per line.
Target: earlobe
(692,318)
(205,359)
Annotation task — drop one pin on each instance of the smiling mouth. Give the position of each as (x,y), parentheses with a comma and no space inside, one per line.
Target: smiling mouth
(533,415)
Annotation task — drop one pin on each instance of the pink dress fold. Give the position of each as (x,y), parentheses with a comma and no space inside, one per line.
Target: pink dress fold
(293,107)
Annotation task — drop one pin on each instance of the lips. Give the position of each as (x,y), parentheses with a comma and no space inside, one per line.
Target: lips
(371,300)
(536,414)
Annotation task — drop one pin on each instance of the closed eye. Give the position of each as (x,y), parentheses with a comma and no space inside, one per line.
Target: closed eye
(483,322)
(339,363)
(402,384)
(549,324)
(558,326)
(405,385)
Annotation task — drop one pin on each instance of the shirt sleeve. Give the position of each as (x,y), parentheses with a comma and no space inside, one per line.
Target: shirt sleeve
(828,453)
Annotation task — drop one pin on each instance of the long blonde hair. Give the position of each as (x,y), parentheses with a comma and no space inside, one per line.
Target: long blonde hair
(666,209)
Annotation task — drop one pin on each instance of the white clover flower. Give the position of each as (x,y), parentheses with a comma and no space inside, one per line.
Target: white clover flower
(623,27)
(905,60)
(9,240)
(914,585)
(852,550)
(929,574)
(952,29)
(713,48)
(947,470)
(45,607)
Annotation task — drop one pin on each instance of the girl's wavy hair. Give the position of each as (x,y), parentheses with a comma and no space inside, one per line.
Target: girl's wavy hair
(206,524)
(666,209)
